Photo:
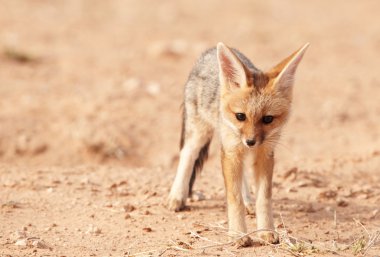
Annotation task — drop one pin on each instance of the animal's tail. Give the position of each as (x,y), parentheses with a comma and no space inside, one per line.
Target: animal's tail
(202,157)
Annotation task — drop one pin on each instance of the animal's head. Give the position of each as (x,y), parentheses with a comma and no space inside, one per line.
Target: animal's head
(255,104)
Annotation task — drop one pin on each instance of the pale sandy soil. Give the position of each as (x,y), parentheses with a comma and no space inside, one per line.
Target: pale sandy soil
(90,95)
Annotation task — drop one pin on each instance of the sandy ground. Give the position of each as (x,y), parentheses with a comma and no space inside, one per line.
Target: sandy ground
(90,95)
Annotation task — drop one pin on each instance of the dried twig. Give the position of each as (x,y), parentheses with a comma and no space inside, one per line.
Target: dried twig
(372,241)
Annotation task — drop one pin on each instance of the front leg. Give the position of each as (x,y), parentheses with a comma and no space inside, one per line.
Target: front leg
(263,164)
(232,164)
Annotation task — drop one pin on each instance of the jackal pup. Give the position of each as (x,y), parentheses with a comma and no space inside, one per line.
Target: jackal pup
(248,107)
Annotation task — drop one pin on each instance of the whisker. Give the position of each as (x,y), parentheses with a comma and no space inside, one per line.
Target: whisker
(273,142)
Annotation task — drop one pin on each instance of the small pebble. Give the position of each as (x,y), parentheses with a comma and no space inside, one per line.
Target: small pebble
(147,229)
(22,242)
(129,208)
(93,230)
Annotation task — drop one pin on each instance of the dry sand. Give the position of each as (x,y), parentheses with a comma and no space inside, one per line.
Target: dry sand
(90,95)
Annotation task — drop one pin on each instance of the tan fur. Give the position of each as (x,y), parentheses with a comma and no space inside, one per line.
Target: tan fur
(242,89)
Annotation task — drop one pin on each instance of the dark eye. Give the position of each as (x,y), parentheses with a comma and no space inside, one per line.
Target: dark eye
(240,116)
(267,119)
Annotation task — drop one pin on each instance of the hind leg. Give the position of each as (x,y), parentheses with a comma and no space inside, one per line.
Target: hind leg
(196,135)
(249,203)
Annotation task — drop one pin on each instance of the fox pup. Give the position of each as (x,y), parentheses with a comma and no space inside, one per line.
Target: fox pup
(248,108)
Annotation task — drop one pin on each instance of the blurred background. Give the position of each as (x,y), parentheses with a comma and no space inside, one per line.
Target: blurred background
(91,81)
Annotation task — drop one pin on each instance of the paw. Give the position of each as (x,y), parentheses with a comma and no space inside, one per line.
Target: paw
(175,204)
(244,242)
(269,237)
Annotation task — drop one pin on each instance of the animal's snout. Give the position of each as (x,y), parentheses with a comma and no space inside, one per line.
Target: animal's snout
(250,142)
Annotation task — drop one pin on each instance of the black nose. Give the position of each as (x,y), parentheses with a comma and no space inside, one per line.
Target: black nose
(250,142)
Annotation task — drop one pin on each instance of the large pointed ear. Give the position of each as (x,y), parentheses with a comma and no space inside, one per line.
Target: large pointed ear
(232,74)
(284,72)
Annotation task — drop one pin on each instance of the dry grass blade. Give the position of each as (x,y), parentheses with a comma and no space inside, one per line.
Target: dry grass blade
(372,241)
(365,242)
(361,224)
(358,245)
(196,235)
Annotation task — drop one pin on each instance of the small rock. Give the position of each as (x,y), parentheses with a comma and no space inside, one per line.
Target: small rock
(11,205)
(22,242)
(122,192)
(156,49)
(40,148)
(328,194)
(178,47)
(308,208)
(56,181)
(303,183)
(108,205)
(40,244)
(185,245)
(374,214)
(131,84)
(153,88)
(129,208)
(22,143)
(364,196)
(50,190)
(85,181)
(50,227)
(342,203)
(291,190)
(93,230)
(197,196)
(147,229)
(180,217)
